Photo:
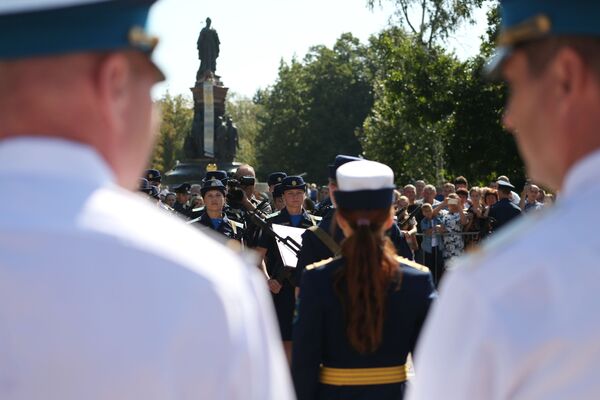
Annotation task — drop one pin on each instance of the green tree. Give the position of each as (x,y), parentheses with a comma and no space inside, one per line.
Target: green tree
(245,114)
(176,122)
(314,108)
(413,100)
(435,117)
(477,140)
(432,20)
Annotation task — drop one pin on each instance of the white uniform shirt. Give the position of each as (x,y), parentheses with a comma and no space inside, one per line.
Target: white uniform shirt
(103,296)
(520,319)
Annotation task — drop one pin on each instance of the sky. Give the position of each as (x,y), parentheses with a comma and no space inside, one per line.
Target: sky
(256,35)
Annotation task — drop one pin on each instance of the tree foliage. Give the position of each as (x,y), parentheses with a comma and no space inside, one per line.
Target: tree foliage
(245,114)
(432,20)
(414,98)
(313,110)
(435,117)
(176,122)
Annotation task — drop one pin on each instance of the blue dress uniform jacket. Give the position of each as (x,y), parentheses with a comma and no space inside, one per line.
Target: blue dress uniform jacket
(320,332)
(182,209)
(285,300)
(229,228)
(503,212)
(314,249)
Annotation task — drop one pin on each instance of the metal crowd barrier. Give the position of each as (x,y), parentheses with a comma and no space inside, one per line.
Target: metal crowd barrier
(435,260)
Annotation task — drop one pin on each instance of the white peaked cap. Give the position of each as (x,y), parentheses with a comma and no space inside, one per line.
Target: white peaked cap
(19,6)
(364,175)
(364,185)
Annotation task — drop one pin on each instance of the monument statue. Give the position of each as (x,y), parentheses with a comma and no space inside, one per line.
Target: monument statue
(213,138)
(220,139)
(232,141)
(208,51)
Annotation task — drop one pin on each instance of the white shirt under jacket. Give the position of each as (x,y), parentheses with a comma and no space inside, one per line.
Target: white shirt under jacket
(102,296)
(520,319)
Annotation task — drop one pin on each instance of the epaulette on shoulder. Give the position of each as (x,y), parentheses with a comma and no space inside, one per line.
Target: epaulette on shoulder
(316,217)
(276,213)
(319,263)
(412,264)
(238,224)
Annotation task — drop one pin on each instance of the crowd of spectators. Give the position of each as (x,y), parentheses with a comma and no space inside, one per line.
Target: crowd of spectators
(442,223)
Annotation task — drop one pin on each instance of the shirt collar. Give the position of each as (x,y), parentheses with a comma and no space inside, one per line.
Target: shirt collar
(53,157)
(583,173)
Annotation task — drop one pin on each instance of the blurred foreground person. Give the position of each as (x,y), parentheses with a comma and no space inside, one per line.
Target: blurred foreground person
(105,296)
(359,315)
(516,320)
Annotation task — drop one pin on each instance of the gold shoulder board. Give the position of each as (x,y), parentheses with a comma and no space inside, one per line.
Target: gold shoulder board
(412,264)
(238,224)
(276,213)
(319,263)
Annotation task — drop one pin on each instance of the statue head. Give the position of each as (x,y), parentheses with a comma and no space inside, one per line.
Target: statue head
(208,22)
(229,120)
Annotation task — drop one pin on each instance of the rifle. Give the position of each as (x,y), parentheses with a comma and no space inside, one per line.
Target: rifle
(266,227)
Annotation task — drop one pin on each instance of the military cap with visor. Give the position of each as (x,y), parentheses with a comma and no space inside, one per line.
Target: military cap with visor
(528,20)
(213,184)
(275,178)
(153,175)
(184,188)
(340,160)
(38,28)
(293,182)
(364,185)
(218,174)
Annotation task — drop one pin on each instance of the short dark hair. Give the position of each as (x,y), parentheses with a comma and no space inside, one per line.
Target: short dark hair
(504,189)
(541,52)
(463,192)
(461,180)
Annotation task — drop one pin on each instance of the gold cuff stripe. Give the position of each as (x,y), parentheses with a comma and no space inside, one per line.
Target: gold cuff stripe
(363,376)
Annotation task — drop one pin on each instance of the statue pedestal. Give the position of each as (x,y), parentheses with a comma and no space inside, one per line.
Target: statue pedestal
(194,146)
(219,94)
(193,171)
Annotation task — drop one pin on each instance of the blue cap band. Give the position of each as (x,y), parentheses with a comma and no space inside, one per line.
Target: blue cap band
(364,199)
(526,20)
(573,17)
(102,26)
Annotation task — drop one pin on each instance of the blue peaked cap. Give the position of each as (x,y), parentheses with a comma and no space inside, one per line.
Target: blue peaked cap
(526,20)
(53,27)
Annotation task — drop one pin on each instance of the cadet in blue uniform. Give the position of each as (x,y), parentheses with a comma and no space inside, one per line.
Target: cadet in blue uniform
(323,241)
(154,178)
(213,216)
(293,214)
(278,202)
(274,179)
(359,315)
(504,210)
(183,195)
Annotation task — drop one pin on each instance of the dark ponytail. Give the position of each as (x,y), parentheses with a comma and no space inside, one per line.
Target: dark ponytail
(370,268)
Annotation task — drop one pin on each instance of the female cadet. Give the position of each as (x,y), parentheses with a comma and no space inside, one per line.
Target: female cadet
(279,277)
(359,315)
(213,217)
